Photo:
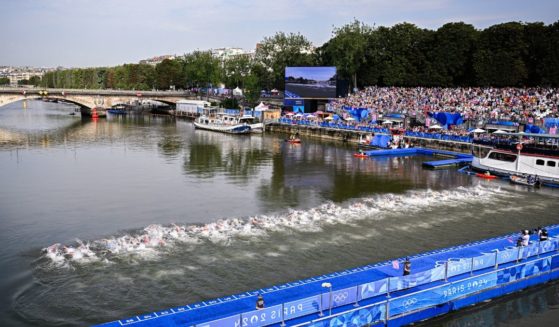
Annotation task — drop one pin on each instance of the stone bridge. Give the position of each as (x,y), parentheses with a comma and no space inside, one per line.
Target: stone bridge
(92,98)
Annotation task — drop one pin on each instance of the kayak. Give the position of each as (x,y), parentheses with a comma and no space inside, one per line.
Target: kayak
(360,155)
(486,176)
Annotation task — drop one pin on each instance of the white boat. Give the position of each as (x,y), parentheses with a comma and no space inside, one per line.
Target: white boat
(222,123)
(519,154)
(254,127)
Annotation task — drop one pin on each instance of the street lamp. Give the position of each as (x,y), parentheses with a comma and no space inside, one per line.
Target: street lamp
(329,287)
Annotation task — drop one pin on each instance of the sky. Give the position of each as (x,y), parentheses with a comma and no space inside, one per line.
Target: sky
(315,73)
(91,33)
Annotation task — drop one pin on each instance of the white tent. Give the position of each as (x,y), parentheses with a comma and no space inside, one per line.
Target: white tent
(237,91)
(261,107)
(329,118)
(478,130)
(435,127)
(298,115)
(350,118)
(387,121)
(499,132)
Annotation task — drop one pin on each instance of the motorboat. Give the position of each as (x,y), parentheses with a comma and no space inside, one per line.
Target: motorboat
(119,109)
(521,154)
(520,180)
(254,126)
(222,123)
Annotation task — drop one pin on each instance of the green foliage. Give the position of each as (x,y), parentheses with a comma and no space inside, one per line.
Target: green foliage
(231,103)
(346,49)
(280,51)
(456,54)
(169,73)
(200,69)
(499,60)
(4,81)
(236,69)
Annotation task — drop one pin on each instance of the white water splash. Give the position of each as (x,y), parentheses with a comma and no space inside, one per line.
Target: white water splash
(148,243)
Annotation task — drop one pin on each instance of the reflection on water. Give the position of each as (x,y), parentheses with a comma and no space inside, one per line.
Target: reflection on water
(217,210)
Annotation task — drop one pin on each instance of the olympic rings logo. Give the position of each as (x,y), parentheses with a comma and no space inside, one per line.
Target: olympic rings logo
(340,297)
(409,302)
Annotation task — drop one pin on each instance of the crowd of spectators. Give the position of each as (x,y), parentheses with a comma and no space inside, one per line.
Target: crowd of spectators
(522,105)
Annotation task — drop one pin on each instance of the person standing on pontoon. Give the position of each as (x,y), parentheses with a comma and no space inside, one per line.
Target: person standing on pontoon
(407,267)
(525,237)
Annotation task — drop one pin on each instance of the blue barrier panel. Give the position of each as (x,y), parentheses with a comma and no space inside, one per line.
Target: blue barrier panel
(373,289)
(531,250)
(359,317)
(528,269)
(459,267)
(424,277)
(340,297)
(441,294)
(507,255)
(262,317)
(233,321)
(548,246)
(555,262)
(484,261)
(301,307)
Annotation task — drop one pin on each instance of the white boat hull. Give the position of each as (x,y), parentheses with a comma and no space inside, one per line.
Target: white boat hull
(230,129)
(526,165)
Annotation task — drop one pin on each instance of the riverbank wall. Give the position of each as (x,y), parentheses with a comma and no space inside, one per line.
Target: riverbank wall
(356,137)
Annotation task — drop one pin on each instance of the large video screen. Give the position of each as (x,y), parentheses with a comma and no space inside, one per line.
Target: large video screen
(310,82)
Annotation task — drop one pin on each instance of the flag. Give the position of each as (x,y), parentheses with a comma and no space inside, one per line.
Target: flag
(395,264)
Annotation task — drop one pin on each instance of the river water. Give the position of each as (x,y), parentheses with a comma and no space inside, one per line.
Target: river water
(156,214)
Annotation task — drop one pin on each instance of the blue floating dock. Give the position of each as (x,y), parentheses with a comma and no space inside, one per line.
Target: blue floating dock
(447,163)
(441,281)
(457,158)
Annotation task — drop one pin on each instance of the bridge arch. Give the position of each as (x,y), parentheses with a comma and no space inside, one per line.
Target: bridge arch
(8,99)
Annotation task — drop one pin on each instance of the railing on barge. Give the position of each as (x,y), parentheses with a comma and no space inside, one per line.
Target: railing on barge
(381,300)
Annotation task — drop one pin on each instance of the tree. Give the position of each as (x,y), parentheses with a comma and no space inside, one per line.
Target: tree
(4,81)
(236,69)
(280,51)
(200,69)
(252,90)
(550,60)
(347,49)
(499,60)
(450,55)
(168,72)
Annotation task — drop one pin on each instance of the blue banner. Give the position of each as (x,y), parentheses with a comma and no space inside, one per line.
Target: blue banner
(528,269)
(233,321)
(507,255)
(302,307)
(262,317)
(459,267)
(361,317)
(442,294)
(340,297)
(531,250)
(485,261)
(424,277)
(373,289)
(548,246)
